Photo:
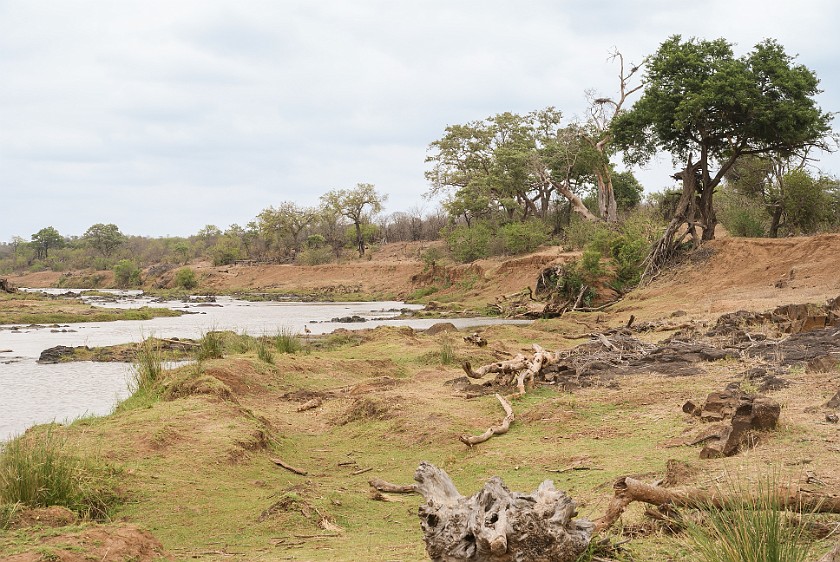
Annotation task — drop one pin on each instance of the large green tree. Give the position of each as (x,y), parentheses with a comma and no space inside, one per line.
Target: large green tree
(104,238)
(512,164)
(45,239)
(709,108)
(356,204)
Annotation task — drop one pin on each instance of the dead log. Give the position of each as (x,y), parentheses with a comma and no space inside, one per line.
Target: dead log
(497,525)
(314,403)
(500,429)
(288,467)
(628,490)
(387,487)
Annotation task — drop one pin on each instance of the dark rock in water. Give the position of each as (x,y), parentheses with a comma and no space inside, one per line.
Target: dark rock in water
(441,327)
(349,319)
(58,354)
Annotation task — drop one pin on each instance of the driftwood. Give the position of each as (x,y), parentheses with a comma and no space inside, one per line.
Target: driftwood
(500,429)
(288,467)
(519,369)
(314,403)
(387,487)
(497,525)
(628,490)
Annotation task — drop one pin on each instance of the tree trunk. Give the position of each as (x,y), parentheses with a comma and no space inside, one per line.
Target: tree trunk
(776,219)
(575,201)
(360,242)
(497,525)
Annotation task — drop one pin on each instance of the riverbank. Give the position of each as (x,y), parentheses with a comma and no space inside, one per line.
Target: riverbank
(197,456)
(33,308)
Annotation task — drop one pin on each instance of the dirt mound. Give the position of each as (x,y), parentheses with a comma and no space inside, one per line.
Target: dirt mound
(746,274)
(105,542)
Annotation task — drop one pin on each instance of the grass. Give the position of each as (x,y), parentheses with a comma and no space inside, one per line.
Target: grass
(148,366)
(756,527)
(447,350)
(287,341)
(264,352)
(42,469)
(211,346)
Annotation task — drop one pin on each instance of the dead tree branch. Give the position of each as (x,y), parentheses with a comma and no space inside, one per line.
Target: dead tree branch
(500,429)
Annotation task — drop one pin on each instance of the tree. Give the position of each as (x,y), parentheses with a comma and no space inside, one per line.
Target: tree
(104,238)
(709,109)
(45,239)
(286,224)
(355,204)
(627,190)
(511,164)
(602,111)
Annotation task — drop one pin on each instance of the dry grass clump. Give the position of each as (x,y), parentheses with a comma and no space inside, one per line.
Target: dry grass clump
(366,409)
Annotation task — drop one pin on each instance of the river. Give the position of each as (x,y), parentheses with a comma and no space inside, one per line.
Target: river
(31,393)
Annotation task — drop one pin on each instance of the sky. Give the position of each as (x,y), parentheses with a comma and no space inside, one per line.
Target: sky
(165,116)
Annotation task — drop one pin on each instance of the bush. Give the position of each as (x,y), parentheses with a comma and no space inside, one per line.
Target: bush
(469,243)
(186,279)
(315,256)
(742,215)
(148,365)
(211,346)
(523,237)
(126,274)
(42,470)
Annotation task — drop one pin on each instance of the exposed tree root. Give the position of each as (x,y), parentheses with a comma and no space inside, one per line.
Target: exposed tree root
(387,487)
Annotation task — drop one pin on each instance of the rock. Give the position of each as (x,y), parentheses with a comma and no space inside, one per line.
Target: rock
(691,408)
(834,402)
(476,339)
(745,414)
(832,418)
(349,319)
(58,354)
(441,327)
(823,364)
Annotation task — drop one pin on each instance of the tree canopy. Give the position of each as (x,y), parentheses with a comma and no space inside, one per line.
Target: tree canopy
(355,204)
(708,108)
(45,239)
(104,238)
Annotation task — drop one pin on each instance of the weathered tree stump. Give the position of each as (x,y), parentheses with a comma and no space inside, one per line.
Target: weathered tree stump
(6,287)
(497,525)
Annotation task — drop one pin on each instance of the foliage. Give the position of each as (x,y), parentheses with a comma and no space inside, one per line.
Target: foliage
(126,274)
(467,244)
(264,352)
(185,278)
(709,108)
(806,202)
(741,215)
(314,256)
(355,204)
(104,238)
(45,239)
(510,165)
(628,191)
(41,469)
(523,237)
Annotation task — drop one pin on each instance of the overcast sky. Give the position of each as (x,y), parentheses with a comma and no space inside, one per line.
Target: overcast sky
(165,116)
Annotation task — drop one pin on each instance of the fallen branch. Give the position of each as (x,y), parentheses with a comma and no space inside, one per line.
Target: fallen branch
(314,403)
(387,487)
(500,429)
(288,467)
(628,490)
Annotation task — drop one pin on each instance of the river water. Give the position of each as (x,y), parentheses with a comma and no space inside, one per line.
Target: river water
(31,393)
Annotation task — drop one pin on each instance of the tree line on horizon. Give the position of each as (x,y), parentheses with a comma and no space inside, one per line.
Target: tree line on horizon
(740,130)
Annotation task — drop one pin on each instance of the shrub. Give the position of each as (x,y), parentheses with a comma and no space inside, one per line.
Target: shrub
(314,256)
(126,274)
(742,215)
(447,350)
(264,352)
(42,469)
(523,237)
(186,279)
(468,244)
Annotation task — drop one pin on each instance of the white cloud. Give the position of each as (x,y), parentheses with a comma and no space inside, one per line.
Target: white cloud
(164,116)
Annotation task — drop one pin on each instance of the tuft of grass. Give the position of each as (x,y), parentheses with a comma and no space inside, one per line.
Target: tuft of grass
(211,346)
(148,365)
(447,350)
(41,469)
(7,514)
(287,341)
(755,527)
(264,352)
